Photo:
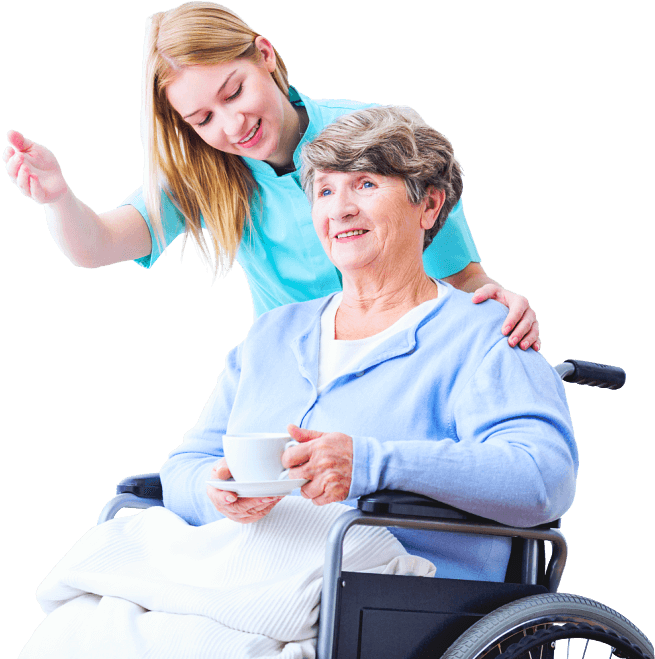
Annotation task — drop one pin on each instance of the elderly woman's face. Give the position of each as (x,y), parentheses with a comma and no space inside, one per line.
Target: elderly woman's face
(366,220)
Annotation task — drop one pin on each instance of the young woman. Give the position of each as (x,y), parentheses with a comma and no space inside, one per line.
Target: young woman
(225,131)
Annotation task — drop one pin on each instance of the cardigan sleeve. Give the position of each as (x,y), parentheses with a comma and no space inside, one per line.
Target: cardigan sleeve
(510,457)
(188,467)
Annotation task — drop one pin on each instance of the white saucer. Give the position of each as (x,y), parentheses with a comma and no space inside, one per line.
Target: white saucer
(259,489)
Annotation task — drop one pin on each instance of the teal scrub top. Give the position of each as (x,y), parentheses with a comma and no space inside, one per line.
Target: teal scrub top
(280,252)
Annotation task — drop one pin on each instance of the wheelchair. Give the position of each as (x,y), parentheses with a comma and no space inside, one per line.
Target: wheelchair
(376,616)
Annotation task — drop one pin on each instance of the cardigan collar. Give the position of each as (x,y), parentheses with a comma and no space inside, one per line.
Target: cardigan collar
(305,345)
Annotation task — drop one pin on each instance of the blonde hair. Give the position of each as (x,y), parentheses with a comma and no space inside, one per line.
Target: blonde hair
(200,180)
(390,141)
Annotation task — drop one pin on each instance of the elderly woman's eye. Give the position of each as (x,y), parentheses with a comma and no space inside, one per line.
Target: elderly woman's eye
(368,184)
(324,192)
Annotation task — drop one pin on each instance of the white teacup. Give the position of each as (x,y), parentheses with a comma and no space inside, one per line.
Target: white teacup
(257,456)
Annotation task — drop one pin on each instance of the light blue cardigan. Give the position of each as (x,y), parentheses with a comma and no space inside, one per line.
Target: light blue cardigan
(446,409)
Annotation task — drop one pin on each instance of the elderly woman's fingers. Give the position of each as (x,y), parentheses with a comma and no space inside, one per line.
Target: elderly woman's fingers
(220,498)
(326,489)
(325,460)
(221,471)
(247,508)
(241,509)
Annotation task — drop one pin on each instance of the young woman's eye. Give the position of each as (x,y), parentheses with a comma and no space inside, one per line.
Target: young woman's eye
(206,120)
(236,93)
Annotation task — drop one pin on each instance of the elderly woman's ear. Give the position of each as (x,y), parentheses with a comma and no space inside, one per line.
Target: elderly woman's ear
(433,203)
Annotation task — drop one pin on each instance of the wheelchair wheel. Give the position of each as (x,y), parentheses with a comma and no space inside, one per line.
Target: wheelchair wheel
(552,626)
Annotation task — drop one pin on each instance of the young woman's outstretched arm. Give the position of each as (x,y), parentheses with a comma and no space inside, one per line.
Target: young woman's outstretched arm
(87,238)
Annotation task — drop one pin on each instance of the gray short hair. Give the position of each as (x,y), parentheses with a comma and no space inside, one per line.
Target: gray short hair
(388,141)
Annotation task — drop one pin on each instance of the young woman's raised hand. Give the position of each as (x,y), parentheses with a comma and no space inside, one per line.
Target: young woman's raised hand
(34,169)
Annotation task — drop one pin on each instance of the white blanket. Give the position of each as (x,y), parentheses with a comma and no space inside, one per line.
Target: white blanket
(150,585)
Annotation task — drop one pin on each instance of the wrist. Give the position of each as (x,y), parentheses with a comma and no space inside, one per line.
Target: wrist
(65,201)
(470,278)
(368,463)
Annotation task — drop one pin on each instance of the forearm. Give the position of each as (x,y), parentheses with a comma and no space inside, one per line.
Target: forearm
(470,278)
(184,482)
(505,449)
(498,479)
(185,474)
(77,230)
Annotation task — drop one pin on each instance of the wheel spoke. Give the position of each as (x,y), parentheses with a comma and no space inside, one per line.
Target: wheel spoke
(546,622)
(586,645)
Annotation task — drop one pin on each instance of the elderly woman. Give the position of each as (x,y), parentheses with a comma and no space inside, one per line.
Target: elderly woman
(397,382)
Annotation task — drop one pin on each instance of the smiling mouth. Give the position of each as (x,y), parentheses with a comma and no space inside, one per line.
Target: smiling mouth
(251,134)
(348,234)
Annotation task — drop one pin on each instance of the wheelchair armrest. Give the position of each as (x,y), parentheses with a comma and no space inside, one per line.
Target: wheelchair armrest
(397,502)
(142,491)
(145,486)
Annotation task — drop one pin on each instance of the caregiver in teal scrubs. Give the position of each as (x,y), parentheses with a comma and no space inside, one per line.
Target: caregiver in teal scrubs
(225,131)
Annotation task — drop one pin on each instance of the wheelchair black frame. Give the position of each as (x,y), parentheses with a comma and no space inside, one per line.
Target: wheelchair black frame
(333,557)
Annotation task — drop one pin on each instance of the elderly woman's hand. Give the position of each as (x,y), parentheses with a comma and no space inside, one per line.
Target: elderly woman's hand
(326,459)
(521,320)
(239,509)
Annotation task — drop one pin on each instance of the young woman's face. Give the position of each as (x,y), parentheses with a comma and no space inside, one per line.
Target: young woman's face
(236,107)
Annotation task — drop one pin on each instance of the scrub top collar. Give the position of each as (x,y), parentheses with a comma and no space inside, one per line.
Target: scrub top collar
(261,168)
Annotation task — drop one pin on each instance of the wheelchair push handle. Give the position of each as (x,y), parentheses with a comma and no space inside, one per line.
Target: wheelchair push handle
(591,374)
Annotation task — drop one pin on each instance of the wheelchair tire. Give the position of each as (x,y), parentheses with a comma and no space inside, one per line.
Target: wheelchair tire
(535,627)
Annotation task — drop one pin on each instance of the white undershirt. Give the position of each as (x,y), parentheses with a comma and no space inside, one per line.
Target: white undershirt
(338,357)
